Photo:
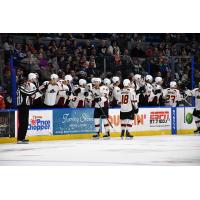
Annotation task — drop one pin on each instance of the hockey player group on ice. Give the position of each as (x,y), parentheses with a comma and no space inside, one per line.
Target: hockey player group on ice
(128,95)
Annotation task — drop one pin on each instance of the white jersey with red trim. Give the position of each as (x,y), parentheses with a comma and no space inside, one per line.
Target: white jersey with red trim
(78,101)
(171,96)
(116,94)
(195,93)
(51,94)
(104,102)
(154,85)
(63,88)
(128,100)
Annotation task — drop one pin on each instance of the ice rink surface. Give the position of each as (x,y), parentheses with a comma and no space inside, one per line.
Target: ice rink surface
(148,150)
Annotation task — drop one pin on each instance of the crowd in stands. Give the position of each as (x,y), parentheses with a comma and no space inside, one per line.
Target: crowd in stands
(103,55)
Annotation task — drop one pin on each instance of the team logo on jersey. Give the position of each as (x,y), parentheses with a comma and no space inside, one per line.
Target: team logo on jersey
(189,118)
(38,123)
(52,91)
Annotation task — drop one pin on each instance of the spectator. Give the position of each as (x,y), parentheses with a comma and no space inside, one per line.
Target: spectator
(30,63)
(42,61)
(2,102)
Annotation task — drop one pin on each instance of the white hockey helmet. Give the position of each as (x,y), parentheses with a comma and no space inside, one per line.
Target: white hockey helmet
(68,78)
(92,80)
(115,79)
(158,79)
(97,80)
(173,84)
(32,76)
(126,82)
(149,78)
(82,82)
(54,77)
(104,90)
(106,81)
(137,77)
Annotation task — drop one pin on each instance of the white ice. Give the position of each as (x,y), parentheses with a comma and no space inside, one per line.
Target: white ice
(148,150)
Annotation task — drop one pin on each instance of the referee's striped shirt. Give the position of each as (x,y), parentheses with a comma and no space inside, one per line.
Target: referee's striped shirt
(24,95)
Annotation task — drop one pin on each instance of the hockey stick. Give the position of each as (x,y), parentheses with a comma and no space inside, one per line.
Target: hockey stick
(184,113)
(9,124)
(189,104)
(184,99)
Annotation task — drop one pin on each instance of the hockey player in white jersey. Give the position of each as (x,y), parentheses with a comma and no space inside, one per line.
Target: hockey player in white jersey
(79,95)
(116,91)
(158,81)
(149,79)
(107,83)
(63,93)
(149,95)
(158,99)
(196,113)
(172,95)
(69,79)
(51,91)
(129,107)
(138,83)
(32,78)
(101,105)
(31,86)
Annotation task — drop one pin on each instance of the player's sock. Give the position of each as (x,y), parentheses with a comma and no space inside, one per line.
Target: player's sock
(123,127)
(122,133)
(97,124)
(129,128)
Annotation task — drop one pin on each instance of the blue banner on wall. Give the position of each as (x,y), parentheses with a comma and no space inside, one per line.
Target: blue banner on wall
(174,121)
(70,121)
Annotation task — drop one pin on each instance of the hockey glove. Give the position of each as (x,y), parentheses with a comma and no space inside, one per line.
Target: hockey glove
(77,91)
(136,111)
(68,93)
(157,91)
(98,99)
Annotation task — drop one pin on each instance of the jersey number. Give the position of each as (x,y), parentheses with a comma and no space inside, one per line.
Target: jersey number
(172,97)
(124,99)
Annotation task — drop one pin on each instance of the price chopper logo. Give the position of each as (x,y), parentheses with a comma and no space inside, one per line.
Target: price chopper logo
(159,117)
(38,123)
(189,118)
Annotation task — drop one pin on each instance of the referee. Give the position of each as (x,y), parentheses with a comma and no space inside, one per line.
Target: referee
(25,93)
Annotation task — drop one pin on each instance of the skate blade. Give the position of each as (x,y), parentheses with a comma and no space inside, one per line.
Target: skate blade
(106,138)
(22,142)
(95,138)
(128,138)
